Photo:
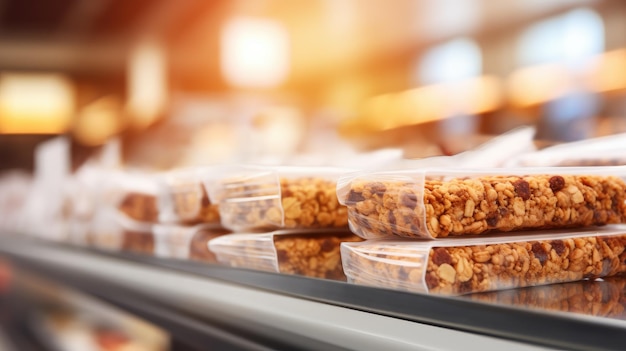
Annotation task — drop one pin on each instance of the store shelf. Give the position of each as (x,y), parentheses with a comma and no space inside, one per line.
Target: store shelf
(242,309)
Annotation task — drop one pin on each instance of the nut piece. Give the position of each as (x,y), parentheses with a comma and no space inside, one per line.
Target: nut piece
(446,273)
(470,206)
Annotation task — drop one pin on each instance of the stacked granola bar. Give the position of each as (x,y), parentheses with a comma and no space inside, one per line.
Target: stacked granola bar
(457,206)
(285,219)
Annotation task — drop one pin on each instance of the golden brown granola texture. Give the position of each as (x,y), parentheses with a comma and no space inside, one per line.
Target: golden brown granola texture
(467,269)
(480,205)
(307,202)
(313,255)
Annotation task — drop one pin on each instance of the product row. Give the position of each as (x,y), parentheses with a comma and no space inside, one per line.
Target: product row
(430,225)
(447,266)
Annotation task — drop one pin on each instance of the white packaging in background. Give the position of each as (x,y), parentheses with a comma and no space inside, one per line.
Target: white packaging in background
(42,215)
(603,151)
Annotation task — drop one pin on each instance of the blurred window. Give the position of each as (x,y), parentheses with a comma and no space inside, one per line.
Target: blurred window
(568,38)
(451,61)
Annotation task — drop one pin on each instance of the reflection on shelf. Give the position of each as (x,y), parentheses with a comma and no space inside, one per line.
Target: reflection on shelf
(600,298)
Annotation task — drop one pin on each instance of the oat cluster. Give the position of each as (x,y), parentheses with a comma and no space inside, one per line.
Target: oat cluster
(313,255)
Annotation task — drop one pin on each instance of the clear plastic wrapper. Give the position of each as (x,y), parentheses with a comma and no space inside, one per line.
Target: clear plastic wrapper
(436,203)
(186,242)
(114,232)
(42,214)
(468,265)
(312,253)
(183,199)
(603,151)
(601,298)
(277,197)
(136,196)
(14,189)
(104,230)
(497,151)
(78,232)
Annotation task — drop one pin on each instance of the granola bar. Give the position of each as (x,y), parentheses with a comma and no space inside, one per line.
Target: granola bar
(139,207)
(306,202)
(191,204)
(185,242)
(312,254)
(467,269)
(462,206)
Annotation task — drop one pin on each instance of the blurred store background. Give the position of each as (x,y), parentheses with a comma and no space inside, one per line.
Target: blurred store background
(199,82)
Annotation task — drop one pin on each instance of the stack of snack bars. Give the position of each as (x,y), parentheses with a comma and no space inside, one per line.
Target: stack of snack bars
(188,219)
(164,214)
(462,231)
(284,219)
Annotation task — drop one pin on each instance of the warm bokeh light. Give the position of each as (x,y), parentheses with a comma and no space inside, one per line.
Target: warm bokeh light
(35,103)
(610,71)
(533,85)
(98,121)
(147,83)
(542,83)
(254,53)
(429,103)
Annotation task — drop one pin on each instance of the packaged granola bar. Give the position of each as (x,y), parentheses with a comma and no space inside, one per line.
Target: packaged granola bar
(436,203)
(135,195)
(277,197)
(183,199)
(114,232)
(186,242)
(312,253)
(468,265)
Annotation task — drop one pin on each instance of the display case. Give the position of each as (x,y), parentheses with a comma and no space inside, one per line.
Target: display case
(231,308)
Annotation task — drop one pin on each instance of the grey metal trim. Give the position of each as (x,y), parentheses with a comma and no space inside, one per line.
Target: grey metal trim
(258,310)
